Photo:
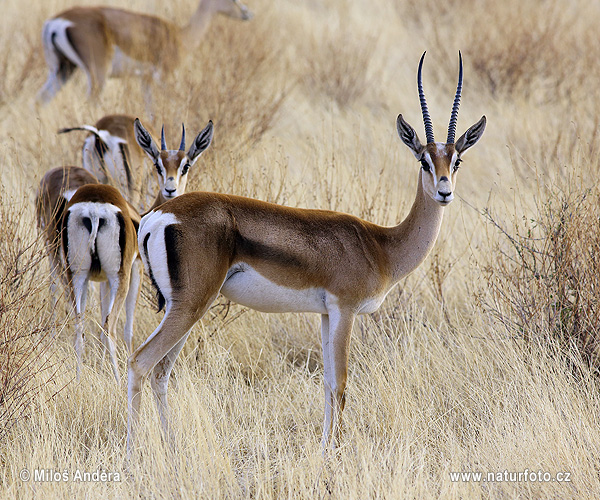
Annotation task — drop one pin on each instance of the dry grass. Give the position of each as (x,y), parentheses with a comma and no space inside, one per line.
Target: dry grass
(483,360)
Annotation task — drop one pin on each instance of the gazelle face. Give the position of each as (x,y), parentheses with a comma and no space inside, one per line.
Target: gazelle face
(440,163)
(172,168)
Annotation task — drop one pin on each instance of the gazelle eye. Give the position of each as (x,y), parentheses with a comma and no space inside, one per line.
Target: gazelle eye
(425,165)
(457,164)
(158,169)
(185,169)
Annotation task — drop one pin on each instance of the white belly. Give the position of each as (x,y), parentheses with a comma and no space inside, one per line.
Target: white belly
(249,288)
(123,65)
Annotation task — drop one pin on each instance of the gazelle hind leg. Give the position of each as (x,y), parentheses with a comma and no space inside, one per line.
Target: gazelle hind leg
(165,342)
(80,286)
(160,383)
(118,292)
(133,293)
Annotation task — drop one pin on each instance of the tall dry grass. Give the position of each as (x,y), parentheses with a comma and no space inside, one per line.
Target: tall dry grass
(483,360)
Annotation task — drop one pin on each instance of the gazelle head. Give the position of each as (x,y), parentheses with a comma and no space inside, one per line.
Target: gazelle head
(172,166)
(231,8)
(439,161)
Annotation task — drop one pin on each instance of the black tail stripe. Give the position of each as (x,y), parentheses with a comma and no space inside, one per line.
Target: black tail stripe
(65,235)
(172,245)
(121,221)
(159,295)
(124,150)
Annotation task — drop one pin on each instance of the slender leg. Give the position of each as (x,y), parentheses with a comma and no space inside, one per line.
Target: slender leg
(118,292)
(165,342)
(340,328)
(104,309)
(160,383)
(80,285)
(132,297)
(327,375)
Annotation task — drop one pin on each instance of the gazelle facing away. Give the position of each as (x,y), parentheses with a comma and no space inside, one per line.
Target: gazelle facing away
(279,259)
(99,243)
(56,189)
(106,41)
(112,154)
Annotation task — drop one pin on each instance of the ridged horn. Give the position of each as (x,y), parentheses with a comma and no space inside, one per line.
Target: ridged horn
(454,115)
(182,145)
(163,143)
(424,110)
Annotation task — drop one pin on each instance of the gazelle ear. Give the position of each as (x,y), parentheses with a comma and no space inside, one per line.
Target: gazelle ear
(144,139)
(201,142)
(409,136)
(471,136)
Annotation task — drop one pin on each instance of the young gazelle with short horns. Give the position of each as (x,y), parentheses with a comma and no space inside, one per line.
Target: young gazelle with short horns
(99,243)
(107,41)
(172,166)
(278,259)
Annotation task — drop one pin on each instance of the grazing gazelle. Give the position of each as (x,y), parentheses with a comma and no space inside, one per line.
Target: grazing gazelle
(112,154)
(274,258)
(99,242)
(107,41)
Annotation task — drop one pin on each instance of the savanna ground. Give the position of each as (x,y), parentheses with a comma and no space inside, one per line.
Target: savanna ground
(483,360)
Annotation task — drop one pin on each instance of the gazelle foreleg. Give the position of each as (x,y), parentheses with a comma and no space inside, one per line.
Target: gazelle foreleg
(335,335)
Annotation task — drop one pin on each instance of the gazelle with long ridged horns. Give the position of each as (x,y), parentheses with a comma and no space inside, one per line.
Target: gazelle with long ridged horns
(107,41)
(274,258)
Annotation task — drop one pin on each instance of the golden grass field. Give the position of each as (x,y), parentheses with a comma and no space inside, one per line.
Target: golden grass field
(483,360)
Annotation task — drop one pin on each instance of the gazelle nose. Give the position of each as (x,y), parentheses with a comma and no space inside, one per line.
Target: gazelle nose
(444,194)
(170,191)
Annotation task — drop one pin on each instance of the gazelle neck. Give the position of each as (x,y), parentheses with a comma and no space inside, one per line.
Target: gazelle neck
(160,199)
(192,33)
(409,243)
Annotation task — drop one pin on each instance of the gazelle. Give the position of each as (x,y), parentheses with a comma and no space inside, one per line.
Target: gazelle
(106,41)
(58,187)
(112,154)
(99,242)
(274,258)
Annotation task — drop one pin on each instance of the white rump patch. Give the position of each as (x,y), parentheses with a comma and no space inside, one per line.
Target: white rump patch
(154,224)
(104,239)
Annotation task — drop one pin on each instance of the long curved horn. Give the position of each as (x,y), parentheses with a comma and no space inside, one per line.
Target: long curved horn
(454,115)
(424,110)
(182,145)
(163,143)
